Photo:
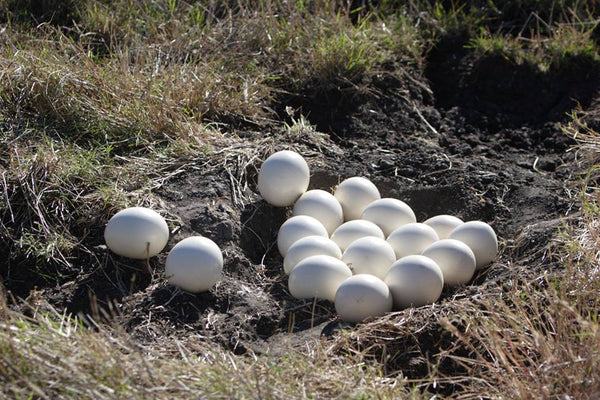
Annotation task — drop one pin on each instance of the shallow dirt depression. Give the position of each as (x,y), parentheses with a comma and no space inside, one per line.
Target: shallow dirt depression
(438,159)
(251,308)
(437,156)
(442,165)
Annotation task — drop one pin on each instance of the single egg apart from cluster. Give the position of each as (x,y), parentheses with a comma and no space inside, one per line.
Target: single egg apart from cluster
(350,231)
(414,281)
(283,177)
(295,229)
(355,194)
(318,276)
(362,296)
(322,206)
(389,214)
(455,259)
(481,238)
(443,224)
(411,239)
(194,264)
(369,255)
(309,246)
(136,232)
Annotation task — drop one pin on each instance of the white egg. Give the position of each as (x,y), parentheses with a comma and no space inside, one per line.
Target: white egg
(318,276)
(411,239)
(321,205)
(414,281)
(194,264)
(369,255)
(455,259)
(389,214)
(136,232)
(283,177)
(481,238)
(295,229)
(362,296)
(444,224)
(350,231)
(354,194)
(309,246)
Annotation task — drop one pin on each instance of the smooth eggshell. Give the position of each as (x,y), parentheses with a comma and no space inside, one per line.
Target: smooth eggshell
(369,255)
(455,259)
(295,229)
(350,231)
(411,239)
(283,177)
(318,276)
(136,232)
(362,296)
(194,264)
(321,205)
(481,238)
(355,194)
(414,281)
(309,246)
(444,224)
(389,214)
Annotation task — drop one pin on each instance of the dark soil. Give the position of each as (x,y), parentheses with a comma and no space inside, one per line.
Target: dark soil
(480,139)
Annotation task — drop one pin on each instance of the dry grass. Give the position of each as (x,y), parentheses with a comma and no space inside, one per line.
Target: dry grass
(50,355)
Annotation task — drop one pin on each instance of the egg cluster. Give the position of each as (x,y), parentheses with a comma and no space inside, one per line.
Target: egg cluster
(367,254)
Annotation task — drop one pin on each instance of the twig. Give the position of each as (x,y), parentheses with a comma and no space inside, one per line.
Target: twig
(416,109)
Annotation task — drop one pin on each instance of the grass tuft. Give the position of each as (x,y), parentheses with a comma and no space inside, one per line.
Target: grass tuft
(566,45)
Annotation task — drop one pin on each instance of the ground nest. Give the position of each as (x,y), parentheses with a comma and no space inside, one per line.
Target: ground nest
(434,151)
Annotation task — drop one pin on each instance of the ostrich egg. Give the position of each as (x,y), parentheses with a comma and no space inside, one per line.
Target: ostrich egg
(283,177)
(443,224)
(309,246)
(355,194)
(295,229)
(318,276)
(369,255)
(194,264)
(389,214)
(362,296)
(136,232)
(414,281)
(455,259)
(481,238)
(350,231)
(411,239)
(321,205)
